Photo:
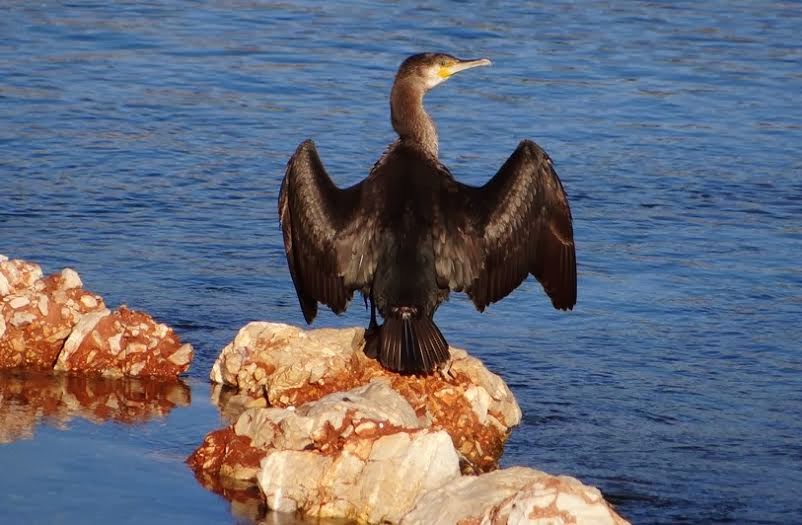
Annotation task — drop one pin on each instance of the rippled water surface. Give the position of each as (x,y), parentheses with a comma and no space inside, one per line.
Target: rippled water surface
(143,145)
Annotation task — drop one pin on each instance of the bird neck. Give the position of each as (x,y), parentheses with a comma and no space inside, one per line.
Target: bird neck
(410,119)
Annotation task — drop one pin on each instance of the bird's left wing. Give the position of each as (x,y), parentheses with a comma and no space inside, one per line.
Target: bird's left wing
(327,242)
(492,237)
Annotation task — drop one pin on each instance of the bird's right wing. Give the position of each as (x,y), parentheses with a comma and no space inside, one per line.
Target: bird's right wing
(328,245)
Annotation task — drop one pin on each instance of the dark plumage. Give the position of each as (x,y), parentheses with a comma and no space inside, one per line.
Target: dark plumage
(410,233)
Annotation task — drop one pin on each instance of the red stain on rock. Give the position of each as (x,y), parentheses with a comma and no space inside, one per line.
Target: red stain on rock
(225,455)
(126,342)
(220,451)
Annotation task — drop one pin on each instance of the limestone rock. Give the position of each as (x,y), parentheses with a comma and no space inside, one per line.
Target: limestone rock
(326,431)
(124,343)
(513,496)
(362,482)
(53,322)
(289,366)
(36,320)
(28,396)
(17,275)
(345,455)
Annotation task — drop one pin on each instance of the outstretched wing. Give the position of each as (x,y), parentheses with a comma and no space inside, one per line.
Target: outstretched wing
(327,241)
(516,224)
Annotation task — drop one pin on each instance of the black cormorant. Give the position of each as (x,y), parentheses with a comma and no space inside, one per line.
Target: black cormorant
(409,233)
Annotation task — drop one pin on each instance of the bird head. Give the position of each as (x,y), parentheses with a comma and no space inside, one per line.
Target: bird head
(430,69)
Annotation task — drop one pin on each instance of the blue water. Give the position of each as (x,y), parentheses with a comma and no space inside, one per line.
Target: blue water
(143,145)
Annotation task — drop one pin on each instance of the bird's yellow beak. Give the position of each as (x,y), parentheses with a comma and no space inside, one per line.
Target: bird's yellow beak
(461,65)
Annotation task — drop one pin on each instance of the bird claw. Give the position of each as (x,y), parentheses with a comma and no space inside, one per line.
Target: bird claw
(445,370)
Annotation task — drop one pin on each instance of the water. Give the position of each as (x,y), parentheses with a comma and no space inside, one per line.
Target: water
(143,144)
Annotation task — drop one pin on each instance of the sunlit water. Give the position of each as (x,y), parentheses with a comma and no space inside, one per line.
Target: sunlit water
(143,146)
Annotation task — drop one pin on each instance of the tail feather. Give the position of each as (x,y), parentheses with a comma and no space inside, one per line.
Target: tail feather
(409,345)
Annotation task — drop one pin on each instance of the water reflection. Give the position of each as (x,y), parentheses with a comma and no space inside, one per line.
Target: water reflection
(231,402)
(27,398)
(245,498)
(248,503)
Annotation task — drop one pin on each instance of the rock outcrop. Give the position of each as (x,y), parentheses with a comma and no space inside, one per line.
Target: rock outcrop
(324,430)
(339,456)
(27,397)
(283,366)
(52,322)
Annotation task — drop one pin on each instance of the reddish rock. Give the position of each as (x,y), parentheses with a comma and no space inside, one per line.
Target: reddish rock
(35,321)
(17,275)
(223,452)
(124,343)
(53,322)
(26,397)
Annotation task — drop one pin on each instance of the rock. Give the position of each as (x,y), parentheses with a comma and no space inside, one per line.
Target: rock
(288,366)
(36,320)
(326,431)
(344,455)
(28,396)
(362,482)
(296,365)
(17,275)
(513,496)
(124,343)
(53,322)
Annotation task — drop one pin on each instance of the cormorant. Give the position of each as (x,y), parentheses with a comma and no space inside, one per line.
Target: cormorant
(409,233)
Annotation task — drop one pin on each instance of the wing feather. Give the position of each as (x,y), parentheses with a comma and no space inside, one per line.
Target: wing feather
(516,224)
(323,234)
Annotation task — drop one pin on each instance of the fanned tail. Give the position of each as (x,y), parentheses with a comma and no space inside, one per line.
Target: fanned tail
(407,343)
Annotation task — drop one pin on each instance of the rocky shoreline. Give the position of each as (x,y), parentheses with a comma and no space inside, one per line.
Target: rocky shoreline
(314,426)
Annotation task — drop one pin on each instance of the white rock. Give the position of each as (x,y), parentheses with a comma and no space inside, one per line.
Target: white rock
(417,462)
(19,302)
(502,402)
(375,401)
(115,343)
(516,495)
(22,318)
(181,356)
(43,305)
(70,279)
(290,479)
(383,488)
(83,328)
(300,357)
(89,301)
(134,370)
(479,400)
